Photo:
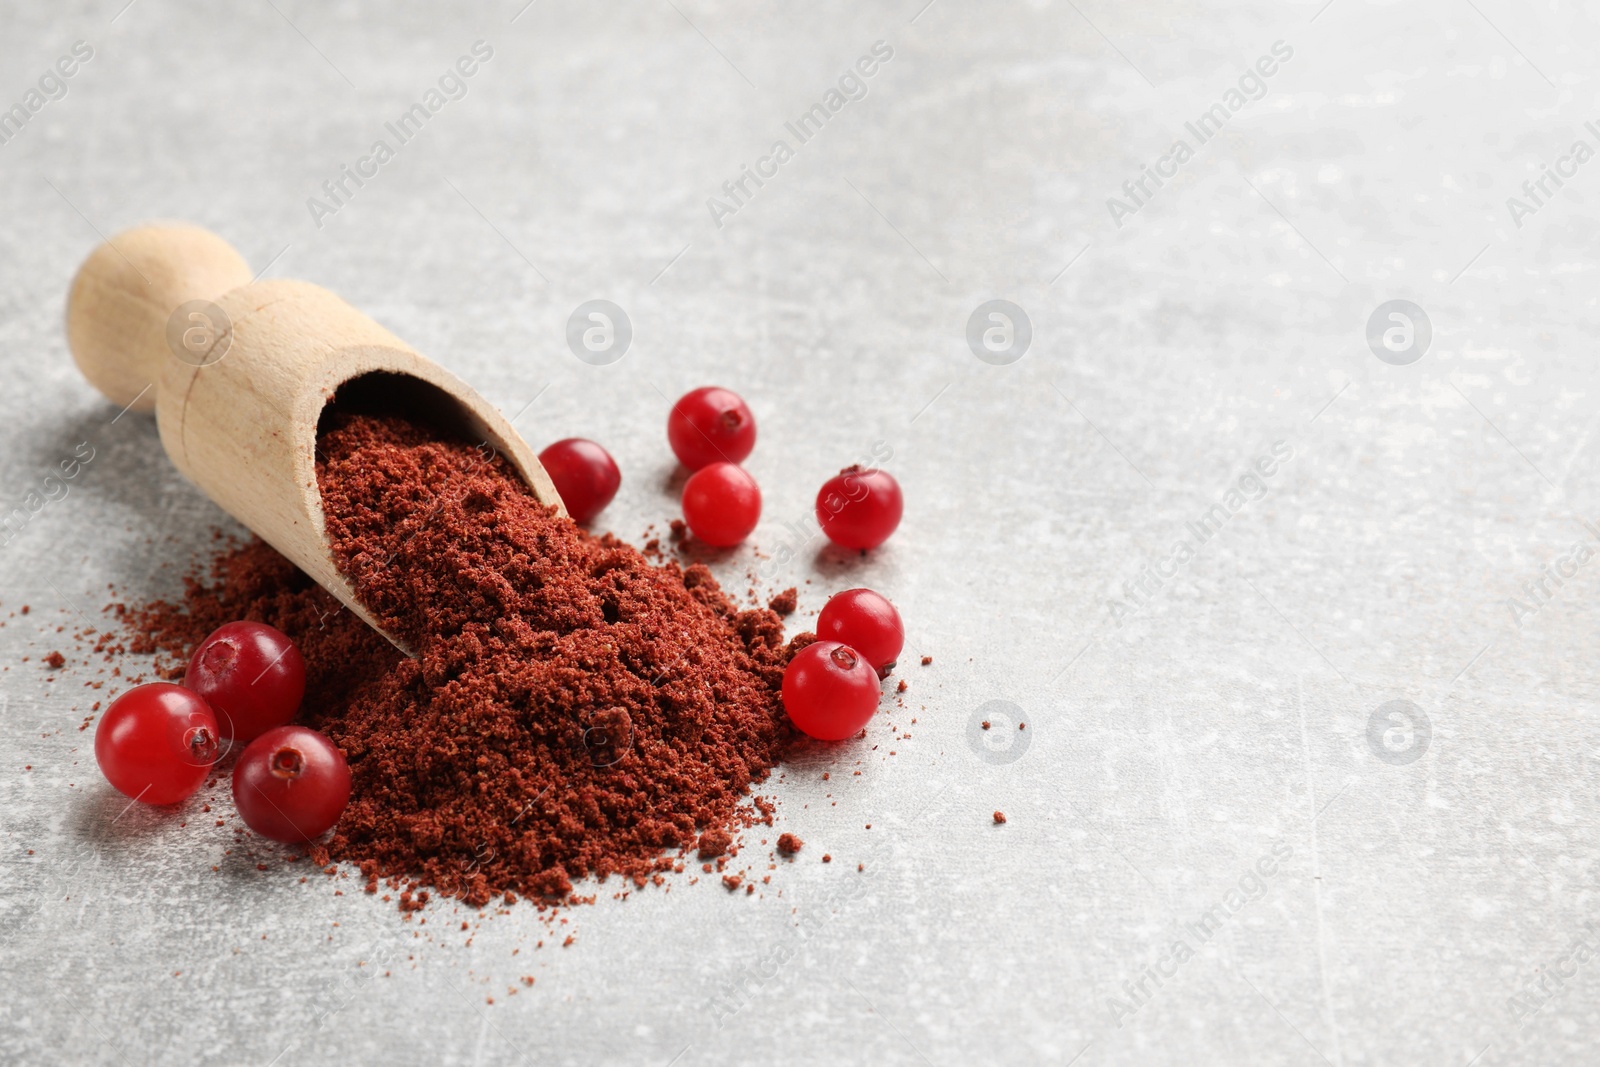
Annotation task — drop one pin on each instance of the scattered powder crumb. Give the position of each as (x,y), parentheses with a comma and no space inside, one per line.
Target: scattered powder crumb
(732,881)
(54,660)
(902,687)
(926,660)
(785,602)
(789,844)
(999,816)
(826,858)
(714,842)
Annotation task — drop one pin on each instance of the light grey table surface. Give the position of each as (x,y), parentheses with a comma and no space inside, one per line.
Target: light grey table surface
(1220,847)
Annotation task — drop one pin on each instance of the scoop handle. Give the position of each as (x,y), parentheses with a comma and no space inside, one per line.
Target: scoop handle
(122,301)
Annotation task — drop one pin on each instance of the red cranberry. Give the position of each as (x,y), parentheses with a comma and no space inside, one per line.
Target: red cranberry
(156,742)
(291,784)
(584,474)
(252,676)
(711,425)
(721,504)
(866,622)
(829,690)
(859,508)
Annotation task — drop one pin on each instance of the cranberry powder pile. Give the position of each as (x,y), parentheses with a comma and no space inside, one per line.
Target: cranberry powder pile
(572,709)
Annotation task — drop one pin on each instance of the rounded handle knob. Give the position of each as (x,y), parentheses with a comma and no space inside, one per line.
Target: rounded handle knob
(124,295)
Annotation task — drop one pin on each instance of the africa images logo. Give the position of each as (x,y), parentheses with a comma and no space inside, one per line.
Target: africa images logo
(1399,332)
(1251,86)
(452,85)
(1537,192)
(1251,486)
(851,86)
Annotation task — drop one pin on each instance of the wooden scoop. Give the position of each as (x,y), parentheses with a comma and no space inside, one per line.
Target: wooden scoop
(166,318)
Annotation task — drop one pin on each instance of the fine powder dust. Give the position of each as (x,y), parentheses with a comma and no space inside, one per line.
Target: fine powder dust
(572,709)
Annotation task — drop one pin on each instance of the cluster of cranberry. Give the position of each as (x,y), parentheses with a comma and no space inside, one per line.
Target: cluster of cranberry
(712,431)
(157,742)
(831,687)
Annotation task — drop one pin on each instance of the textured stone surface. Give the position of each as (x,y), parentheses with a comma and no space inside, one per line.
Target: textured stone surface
(1179,742)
